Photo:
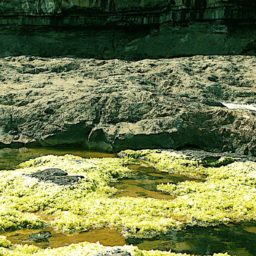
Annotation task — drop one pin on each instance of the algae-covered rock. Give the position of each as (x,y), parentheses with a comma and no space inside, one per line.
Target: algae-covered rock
(12,219)
(224,194)
(218,195)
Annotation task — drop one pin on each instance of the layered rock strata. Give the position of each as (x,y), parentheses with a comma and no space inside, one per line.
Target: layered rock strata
(127,29)
(119,12)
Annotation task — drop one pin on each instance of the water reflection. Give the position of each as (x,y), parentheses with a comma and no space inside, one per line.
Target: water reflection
(10,158)
(237,239)
(144,183)
(105,236)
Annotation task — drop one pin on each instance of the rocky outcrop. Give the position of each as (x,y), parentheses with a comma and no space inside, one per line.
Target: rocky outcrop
(127,29)
(56,176)
(119,12)
(114,105)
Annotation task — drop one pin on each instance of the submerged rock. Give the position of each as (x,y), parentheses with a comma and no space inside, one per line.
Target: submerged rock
(114,252)
(42,236)
(56,176)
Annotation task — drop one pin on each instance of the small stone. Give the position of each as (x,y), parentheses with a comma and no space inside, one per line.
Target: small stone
(42,236)
(114,252)
(42,175)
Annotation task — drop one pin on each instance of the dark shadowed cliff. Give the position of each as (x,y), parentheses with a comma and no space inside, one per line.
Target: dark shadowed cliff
(127,29)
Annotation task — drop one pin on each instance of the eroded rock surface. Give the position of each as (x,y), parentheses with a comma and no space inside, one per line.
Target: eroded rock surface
(114,105)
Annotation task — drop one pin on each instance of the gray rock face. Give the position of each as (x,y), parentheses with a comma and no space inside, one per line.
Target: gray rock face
(128,43)
(115,105)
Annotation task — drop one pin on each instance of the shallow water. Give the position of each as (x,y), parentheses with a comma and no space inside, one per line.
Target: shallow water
(11,158)
(237,239)
(106,236)
(144,183)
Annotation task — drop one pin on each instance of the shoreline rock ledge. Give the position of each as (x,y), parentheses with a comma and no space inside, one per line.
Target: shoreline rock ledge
(110,105)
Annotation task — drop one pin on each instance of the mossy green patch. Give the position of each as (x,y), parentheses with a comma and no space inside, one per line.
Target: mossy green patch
(219,195)
(4,242)
(226,194)
(171,162)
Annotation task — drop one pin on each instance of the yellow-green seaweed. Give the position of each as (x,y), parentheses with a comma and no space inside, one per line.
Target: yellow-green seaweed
(219,195)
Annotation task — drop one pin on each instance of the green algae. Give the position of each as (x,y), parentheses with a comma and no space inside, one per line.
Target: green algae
(219,195)
(228,193)
(168,162)
(11,219)
(4,242)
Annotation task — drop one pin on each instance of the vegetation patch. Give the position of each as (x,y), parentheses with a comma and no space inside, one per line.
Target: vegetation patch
(218,195)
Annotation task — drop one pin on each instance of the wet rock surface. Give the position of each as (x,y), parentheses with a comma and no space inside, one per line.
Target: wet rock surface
(114,105)
(42,236)
(56,176)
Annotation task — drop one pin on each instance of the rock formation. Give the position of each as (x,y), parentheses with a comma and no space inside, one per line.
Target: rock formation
(127,29)
(114,105)
(205,102)
(119,12)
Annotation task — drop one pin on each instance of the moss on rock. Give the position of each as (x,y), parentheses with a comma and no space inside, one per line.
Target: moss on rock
(226,194)
(219,195)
